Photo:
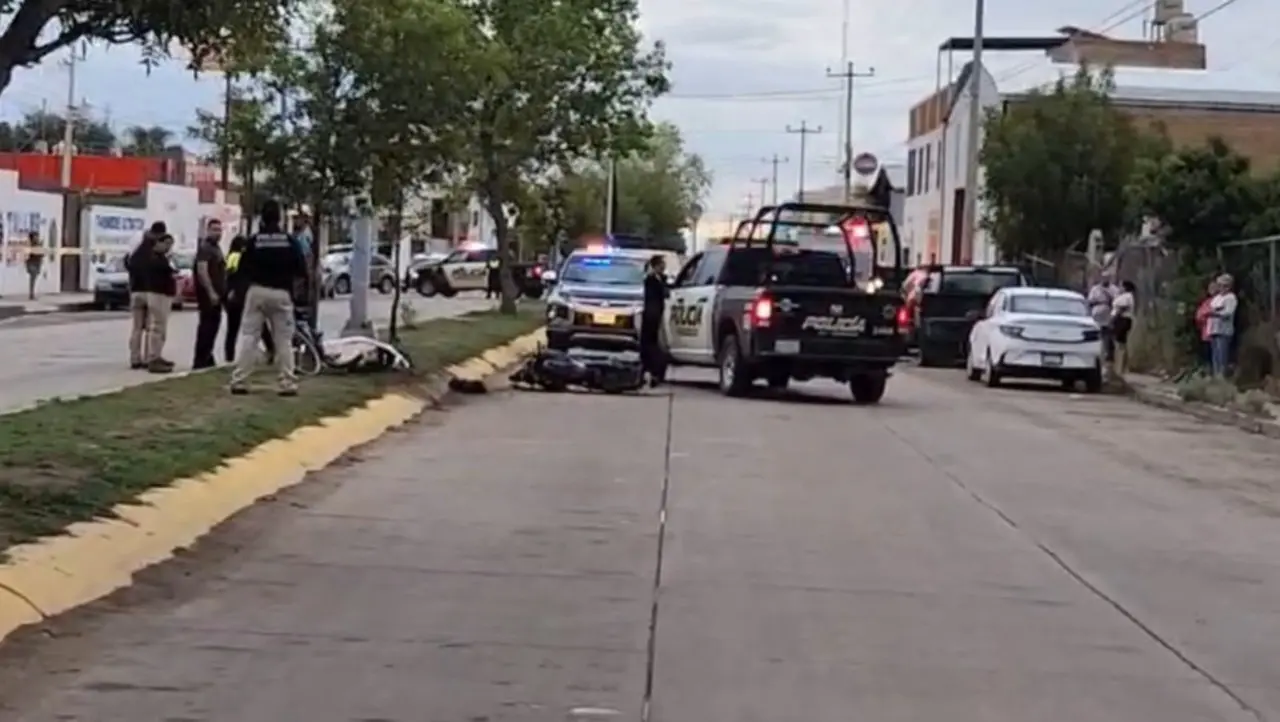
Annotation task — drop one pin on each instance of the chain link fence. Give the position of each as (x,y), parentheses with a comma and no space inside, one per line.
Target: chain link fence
(1255,264)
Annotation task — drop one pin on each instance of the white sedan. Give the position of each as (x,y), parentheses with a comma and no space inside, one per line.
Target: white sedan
(1036,333)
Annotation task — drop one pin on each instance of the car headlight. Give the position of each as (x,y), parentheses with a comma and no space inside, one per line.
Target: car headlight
(1012,331)
(557,310)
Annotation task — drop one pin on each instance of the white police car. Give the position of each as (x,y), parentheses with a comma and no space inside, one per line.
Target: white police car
(596,300)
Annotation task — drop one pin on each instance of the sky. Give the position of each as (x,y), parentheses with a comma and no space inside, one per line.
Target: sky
(742,72)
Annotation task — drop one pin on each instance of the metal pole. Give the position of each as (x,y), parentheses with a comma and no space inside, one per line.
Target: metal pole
(804,131)
(1271,287)
(774,162)
(361,256)
(764,184)
(224,153)
(849,74)
(975,134)
(608,200)
(69,127)
(843,140)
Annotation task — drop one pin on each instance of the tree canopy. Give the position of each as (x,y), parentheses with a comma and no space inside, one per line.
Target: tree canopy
(1056,165)
(35,29)
(92,137)
(659,189)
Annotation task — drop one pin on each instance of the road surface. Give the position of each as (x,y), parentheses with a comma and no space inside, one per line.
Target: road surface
(71,354)
(957,554)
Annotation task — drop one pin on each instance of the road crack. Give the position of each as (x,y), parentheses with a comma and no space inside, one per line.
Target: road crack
(1084,582)
(651,652)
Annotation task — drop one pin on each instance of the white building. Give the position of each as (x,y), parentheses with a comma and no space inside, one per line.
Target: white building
(937,150)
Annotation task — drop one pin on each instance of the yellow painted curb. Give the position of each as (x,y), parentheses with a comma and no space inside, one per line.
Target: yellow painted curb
(93,559)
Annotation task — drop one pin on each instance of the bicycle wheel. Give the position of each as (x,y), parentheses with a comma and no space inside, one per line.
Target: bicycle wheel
(306,357)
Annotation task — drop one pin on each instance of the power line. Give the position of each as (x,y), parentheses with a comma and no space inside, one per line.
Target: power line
(1214,9)
(1127,11)
(791,92)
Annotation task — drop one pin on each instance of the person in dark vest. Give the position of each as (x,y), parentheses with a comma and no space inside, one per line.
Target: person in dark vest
(655,302)
(237,287)
(276,269)
(493,285)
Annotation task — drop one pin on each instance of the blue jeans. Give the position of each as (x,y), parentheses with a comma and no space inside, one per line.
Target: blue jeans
(1219,354)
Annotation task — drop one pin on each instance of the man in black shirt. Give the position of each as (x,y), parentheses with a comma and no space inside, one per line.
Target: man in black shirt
(275,266)
(655,302)
(158,283)
(211,289)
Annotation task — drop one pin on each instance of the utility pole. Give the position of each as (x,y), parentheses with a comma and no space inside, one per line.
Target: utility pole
(69,127)
(975,134)
(849,75)
(773,177)
(804,131)
(764,185)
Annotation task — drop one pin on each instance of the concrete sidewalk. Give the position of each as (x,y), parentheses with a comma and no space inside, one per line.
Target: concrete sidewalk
(11,306)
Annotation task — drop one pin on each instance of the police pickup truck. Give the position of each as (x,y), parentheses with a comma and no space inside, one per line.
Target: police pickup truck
(807,300)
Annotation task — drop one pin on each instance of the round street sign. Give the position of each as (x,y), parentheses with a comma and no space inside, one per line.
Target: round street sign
(866,163)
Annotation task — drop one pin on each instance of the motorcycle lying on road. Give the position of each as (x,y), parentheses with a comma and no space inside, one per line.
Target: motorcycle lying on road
(553,370)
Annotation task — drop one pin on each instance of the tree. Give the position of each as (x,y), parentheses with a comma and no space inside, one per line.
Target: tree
(91,136)
(147,141)
(659,189)
(37,28)
(556,83)
(1056,167)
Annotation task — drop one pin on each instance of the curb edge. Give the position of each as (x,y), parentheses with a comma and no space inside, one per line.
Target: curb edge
(95,558)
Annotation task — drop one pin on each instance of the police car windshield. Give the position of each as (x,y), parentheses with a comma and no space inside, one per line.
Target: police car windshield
(604,270)
(976,282)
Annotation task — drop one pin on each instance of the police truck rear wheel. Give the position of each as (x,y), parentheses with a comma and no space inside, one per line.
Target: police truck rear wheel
(735,380)
(868,389)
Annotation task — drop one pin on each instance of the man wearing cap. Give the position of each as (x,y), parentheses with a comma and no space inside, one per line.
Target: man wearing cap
(1221,324)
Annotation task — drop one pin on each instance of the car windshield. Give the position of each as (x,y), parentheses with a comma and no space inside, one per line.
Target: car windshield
(336,259)
(1049,305)
(604,270)
(983,283)
(115,265)
(183,261)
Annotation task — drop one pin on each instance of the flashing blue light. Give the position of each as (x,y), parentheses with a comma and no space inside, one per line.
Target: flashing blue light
(596,261)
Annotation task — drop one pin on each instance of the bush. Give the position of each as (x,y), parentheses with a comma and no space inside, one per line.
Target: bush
(1256,356)
(1221,392)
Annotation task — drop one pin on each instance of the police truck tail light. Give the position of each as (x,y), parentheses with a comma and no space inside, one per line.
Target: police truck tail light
(761,312)
(904,318)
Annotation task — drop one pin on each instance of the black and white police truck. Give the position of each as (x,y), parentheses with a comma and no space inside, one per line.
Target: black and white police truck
(797,294)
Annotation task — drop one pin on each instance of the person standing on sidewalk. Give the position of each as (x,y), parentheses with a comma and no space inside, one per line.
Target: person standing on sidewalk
(275,268)
(211,288)
(1101,295)
(35,263)
(135,265)
(237,287)
(1222,324)
(159,285)
(1202,324)
(1122,310)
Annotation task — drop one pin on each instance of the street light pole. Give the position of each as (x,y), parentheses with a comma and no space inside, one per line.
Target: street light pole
(975,135)
(773,178)
(849,75)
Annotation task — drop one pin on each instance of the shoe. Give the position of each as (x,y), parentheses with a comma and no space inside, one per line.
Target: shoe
(160,366)
(137,365)
(287,392)
(238,390)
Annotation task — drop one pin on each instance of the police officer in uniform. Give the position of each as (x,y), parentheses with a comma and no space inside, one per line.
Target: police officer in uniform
(274,267)
(493,284)
(655,302)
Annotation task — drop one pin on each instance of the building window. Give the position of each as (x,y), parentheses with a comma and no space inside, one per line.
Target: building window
(928,164)
(911,173)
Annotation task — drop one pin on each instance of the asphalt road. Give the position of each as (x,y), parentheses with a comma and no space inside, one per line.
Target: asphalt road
(956,554)
(71,354)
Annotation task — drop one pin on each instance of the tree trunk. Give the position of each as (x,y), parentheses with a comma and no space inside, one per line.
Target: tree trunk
(493,204)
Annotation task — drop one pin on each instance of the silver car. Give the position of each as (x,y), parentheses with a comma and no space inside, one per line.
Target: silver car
(596,301)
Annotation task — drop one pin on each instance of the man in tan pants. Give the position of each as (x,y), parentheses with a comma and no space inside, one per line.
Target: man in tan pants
(272,306)
(276,268)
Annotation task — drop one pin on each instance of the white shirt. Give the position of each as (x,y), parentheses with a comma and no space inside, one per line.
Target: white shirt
(1123,305)
(1222,314)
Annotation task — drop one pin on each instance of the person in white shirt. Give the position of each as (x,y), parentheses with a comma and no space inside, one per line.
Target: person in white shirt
(1221,325)
(1122,324)
(1101,296)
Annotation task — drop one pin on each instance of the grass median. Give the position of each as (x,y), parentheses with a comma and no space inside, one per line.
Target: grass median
(68,461)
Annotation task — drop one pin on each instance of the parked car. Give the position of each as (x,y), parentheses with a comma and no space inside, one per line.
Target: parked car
(336,274)
(111,289)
